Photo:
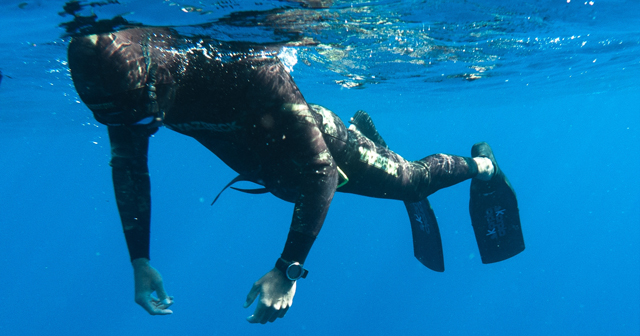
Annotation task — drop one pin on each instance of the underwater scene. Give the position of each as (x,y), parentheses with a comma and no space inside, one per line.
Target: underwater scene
(551,85)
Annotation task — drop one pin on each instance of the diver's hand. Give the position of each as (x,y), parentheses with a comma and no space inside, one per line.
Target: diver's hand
(148,280)
(276,296)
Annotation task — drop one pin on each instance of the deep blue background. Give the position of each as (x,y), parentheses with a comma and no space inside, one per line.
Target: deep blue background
(567,141)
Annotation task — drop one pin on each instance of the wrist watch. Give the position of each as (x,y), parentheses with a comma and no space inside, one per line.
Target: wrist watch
(292,270)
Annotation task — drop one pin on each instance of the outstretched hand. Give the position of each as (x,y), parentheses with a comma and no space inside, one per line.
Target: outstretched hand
(276,296)
(147,281)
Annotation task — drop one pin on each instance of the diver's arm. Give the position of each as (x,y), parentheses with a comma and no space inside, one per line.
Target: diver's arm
(320,178)
(317,184)
(276,291)
(129,146)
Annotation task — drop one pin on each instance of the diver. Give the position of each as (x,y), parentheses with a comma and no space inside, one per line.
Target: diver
(240,102)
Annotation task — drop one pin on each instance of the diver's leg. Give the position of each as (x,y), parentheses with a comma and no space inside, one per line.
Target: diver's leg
(376,171)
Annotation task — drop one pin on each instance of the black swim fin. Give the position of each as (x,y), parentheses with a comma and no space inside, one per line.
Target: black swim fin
(365,125)
(494,213)
(427,244)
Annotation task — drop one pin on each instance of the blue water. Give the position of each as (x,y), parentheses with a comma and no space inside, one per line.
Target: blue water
(556,95)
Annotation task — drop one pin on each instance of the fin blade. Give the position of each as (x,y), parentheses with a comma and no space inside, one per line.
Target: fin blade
(496,223)
(427,244)
(364,124)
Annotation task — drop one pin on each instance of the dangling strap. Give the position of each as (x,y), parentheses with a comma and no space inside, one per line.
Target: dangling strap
(157,117)
(343,180)
(252,191)
(240,178)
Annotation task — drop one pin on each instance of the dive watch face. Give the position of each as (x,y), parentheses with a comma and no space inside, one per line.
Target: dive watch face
(294,271)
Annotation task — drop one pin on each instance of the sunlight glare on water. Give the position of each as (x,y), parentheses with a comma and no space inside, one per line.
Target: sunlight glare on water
(356,43)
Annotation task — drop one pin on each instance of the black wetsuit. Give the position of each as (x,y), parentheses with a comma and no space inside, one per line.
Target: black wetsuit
(240,103)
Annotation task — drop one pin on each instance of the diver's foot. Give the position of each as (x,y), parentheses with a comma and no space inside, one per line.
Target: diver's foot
(485,168)
(483,150)
(487,165)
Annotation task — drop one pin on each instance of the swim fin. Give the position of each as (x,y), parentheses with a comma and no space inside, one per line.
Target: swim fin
(427,244)
(364,124)
(494,213)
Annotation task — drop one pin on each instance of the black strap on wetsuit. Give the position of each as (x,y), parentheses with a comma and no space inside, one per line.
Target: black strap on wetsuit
(240,178)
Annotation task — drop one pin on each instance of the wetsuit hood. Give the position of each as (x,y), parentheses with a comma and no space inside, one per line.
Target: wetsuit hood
(125,78)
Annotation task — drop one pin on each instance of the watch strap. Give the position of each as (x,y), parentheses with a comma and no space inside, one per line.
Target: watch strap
(284,265)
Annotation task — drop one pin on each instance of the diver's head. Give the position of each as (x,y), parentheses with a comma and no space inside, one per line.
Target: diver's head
(117,75)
